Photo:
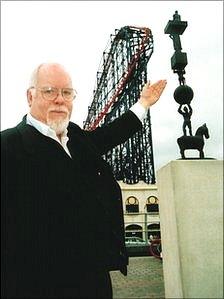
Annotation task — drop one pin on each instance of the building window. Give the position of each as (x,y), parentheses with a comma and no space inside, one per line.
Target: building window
(132,205)
(153,231)
(152,205)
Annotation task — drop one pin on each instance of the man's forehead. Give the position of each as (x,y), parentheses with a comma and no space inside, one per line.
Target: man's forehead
(50,73)
(52,69)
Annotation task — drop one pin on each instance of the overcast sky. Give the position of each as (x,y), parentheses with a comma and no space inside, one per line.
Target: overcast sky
(75,34)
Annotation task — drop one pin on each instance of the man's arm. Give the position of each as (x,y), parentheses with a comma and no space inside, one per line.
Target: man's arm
(124,127)
(116,132)
(179,109)
(190,109)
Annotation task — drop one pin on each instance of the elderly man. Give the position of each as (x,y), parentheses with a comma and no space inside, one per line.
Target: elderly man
(62,219)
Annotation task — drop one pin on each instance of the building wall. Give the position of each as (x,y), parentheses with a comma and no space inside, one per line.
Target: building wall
(141,192)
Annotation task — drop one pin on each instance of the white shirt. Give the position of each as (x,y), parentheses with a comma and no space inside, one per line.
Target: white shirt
(140,111)
(47,131)
(137,109)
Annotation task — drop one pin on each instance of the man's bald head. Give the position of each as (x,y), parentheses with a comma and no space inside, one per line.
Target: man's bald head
(45,69)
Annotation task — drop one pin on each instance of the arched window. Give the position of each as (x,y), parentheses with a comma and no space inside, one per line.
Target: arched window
(132,205)
(133,230)
(152,205)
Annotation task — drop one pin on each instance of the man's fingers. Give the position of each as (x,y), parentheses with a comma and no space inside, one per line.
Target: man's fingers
(154,90)
(159,83)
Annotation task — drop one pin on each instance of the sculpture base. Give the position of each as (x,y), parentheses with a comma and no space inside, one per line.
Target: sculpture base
(196,158)
(191,220)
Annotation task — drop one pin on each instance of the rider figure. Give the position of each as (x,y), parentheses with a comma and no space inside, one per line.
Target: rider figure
(186,112)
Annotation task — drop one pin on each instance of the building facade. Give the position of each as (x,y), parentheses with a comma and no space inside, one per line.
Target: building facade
(141,210)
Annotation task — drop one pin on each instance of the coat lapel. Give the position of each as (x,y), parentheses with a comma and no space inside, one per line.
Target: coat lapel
(35,142)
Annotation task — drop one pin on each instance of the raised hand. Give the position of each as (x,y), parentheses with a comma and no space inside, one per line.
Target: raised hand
(151,93)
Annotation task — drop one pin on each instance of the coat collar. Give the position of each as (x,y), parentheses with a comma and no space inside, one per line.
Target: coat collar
(35,142)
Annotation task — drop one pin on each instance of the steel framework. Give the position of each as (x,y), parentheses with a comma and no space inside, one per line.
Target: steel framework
(120,78)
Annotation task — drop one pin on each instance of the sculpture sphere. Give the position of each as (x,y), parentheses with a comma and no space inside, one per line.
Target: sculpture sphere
(183,94)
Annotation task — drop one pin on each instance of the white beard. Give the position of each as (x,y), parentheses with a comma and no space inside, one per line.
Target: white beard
(59,125)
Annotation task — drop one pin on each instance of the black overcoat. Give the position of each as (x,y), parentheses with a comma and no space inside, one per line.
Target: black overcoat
(59,214)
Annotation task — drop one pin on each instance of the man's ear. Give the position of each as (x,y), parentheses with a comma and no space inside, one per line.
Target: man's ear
(29,95)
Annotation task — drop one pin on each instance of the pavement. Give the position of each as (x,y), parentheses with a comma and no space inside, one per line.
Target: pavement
(144,279)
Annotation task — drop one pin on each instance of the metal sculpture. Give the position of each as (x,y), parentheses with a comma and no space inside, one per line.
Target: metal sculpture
(120,78)
(184,94)
(194,142)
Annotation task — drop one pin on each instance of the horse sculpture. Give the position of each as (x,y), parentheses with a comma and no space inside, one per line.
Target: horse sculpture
(194,142)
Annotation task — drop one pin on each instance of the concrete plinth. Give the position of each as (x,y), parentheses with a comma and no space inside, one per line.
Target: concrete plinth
(191,219)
